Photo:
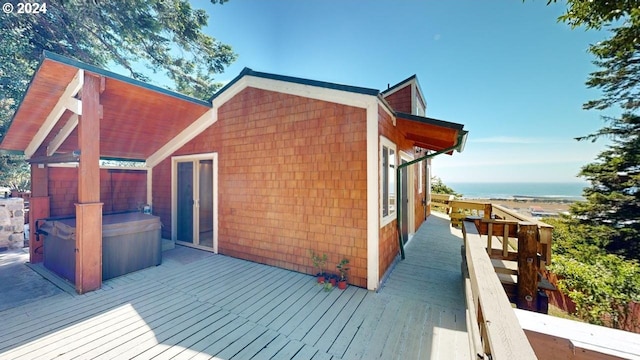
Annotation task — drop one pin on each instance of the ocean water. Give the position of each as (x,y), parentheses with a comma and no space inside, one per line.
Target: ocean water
(570,190)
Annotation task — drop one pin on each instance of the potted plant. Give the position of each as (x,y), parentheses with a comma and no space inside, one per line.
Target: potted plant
(342,268)
(332,278)
(319,262)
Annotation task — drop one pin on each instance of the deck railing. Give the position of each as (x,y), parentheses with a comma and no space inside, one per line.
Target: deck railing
(493,327)
(505,254)
(441,202)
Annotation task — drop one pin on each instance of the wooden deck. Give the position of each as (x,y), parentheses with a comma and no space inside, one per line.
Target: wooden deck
(200,305)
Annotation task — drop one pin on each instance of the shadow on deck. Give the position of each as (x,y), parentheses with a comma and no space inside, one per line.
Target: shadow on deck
(201,305)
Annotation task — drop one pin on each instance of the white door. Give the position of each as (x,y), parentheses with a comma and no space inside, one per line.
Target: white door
(194,206)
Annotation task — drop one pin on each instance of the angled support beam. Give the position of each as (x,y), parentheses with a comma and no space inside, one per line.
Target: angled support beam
(66,101)
(64,133)
(207,119)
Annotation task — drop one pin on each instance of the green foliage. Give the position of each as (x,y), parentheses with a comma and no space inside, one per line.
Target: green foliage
(14,172)
(343,269)
(438,187)
(613,199)
(160,35)
(618,57)
(319,261)
(602,285)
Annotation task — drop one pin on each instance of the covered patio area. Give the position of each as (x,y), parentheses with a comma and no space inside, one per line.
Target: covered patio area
(202,305)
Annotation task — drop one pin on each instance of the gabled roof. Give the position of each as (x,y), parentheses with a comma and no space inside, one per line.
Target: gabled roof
(145,122)
(296,80)
(137,118)
(400,85)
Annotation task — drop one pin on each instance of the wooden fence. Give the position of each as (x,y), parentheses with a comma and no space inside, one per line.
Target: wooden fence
(441,202)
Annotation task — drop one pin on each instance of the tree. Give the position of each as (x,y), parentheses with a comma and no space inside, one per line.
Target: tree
(160,35)
(438,187)
(613,199)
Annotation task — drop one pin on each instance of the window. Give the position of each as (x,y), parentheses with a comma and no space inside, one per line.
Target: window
(388,179)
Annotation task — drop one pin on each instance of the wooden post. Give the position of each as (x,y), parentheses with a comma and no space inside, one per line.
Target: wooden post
(487,211)
(38,209)
(527,266)
(89,207)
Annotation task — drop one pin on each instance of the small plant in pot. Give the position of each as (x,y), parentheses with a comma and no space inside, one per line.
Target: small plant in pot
(332,278)
(342,269)
(319,262)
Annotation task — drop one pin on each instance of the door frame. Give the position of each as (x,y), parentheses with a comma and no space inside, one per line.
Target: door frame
(411,196)
(174,198)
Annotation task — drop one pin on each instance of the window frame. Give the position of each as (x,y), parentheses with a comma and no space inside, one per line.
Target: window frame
(387,180)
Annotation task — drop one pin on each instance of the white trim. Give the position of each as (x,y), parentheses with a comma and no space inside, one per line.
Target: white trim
(385,142)
(420,176)
(308,91)
(64,103)
(386,94)
(415,90)
(428,180)
(174,199)
(411,216)
(202,123)
(63,134)
(373,200)
(413,98)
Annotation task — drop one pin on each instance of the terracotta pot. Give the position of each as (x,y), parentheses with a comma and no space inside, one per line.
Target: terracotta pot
(342,284)
(333,281)
(320,279)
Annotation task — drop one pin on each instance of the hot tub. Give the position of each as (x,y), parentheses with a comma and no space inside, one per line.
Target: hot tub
(130,242)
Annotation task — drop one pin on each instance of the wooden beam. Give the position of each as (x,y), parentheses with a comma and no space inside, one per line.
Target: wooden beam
(56,158)
(89,207)
(207,119)
(89,142)
(66,101)
(62,135)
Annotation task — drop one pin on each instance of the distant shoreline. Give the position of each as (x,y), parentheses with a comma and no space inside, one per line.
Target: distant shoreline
(533,206)
(525,198)
(544,192)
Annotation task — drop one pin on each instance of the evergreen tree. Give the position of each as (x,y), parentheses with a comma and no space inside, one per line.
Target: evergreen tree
(613,199)
(439,187)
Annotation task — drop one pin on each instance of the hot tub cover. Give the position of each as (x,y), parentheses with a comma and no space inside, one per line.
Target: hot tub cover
(112,225)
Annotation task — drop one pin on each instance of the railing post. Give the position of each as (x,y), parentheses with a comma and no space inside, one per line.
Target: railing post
(487,211)
(527,266)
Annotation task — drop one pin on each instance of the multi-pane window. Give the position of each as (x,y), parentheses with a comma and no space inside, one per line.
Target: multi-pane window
(388,178)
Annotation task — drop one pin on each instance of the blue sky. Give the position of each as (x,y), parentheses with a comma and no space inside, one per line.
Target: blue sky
(507,70)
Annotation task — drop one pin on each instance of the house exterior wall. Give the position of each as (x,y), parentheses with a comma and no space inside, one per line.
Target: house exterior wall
(291,178)
(388,236)
(401,100)
(120,190)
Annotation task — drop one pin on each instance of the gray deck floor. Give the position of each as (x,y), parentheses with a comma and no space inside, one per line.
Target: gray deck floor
(201,305)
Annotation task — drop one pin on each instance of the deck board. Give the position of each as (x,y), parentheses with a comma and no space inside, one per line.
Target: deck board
(200,305)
